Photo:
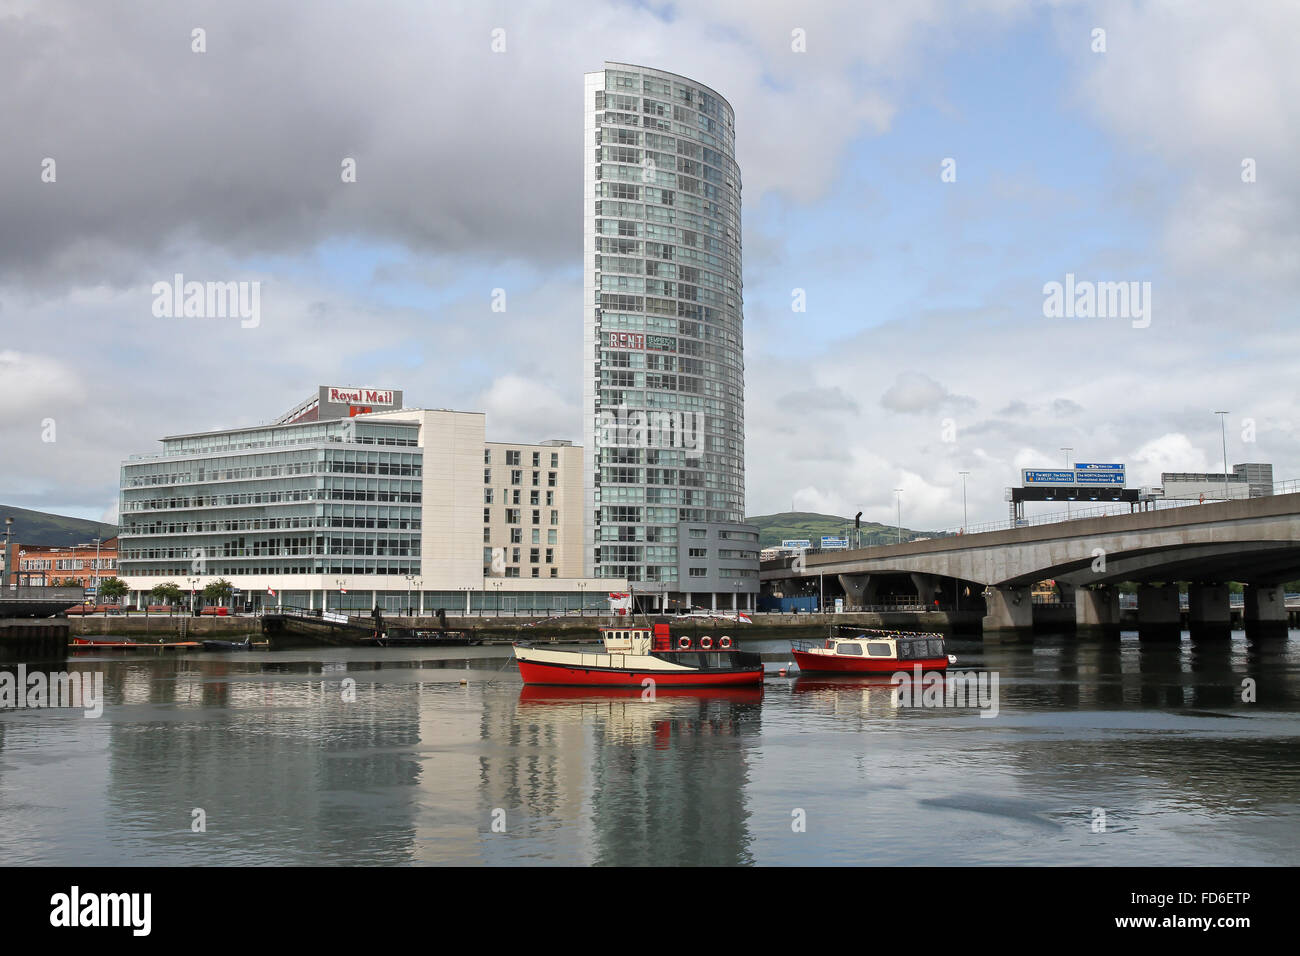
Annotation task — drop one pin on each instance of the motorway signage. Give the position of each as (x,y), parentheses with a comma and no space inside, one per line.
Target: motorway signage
(832,543)
(1031,477)
(1093,473)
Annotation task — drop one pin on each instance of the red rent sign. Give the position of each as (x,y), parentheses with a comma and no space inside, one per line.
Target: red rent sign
(626,340)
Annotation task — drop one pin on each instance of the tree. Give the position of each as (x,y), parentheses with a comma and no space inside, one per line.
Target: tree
(168,593)
(114,588)
(219,590)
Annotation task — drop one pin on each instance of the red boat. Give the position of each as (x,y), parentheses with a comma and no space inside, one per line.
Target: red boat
(871,652)
(631,656)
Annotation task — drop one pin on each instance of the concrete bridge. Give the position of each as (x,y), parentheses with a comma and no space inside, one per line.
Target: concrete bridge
(1255,542)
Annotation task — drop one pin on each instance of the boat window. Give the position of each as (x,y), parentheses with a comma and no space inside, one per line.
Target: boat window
(936,648)
(880,649)
(846,647)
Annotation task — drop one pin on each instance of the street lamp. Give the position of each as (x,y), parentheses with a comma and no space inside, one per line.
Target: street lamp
(965,523)
(1223,433)
(582,599)
(410,580)
(1067,451)
(9,530)
(898,497)
(193,583)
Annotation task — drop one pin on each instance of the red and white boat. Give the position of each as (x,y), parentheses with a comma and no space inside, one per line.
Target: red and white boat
(629,656)
(871,652)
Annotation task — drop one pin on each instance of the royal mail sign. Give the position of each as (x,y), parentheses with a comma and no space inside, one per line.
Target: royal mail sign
(359,396)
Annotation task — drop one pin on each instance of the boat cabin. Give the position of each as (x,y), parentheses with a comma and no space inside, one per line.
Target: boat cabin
(883,646)
(627,640)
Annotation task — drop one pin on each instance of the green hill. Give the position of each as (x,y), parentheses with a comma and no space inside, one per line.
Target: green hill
(773,529)
(39,527)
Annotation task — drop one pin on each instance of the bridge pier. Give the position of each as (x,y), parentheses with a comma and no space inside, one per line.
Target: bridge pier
(1159,616)
(1209,614)
(1097,610)
(1265,611)
(926,585)
(858,588)
(1008,609)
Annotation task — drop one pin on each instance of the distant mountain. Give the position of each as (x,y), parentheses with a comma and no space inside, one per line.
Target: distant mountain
(39,527)
(773,529)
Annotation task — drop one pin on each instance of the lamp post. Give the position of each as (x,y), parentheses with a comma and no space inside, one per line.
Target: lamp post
(964,521)
(193,582)
(582,599)
(9,530)
(1067,451)
(410,580)
(898,497)
(1223,433)
(95,579)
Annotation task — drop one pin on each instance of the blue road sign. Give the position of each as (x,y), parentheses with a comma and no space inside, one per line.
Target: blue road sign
(1031,477)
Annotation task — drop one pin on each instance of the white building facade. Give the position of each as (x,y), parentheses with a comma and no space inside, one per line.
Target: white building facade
(352,506)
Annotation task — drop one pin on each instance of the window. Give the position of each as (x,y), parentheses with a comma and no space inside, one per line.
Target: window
(851,649)
(555,517)
(487,456)
(699,533)
(550,479)
(550,555)
(555,459)
(534,497)
(555,572)
(487,496)
(551,536)
(537,536)
(487,515)
(536,478)
(537,459)
(512,515)
(698,552)
(514,557)
(537,516)
(537,572)
(879,649)
(512,458)
(516,476)
(534,555)
(487,535)
(516,535)
(699,572)
(487,476)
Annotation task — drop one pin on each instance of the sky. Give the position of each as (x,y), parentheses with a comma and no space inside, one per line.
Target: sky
(915,176)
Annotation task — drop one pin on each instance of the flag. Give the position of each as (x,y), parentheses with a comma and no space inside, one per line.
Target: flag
(270,591)
(343,590)
(620,602)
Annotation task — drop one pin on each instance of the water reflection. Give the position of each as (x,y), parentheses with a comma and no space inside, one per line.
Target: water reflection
(431,751)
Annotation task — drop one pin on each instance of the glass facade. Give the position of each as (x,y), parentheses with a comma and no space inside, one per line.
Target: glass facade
(663,338)
(335,497)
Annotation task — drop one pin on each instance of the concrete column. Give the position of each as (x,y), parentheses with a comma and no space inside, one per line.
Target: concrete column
(1208,612)
(1265,611)
(1097,609)
(1008,609)
(925,585)
(690,601)
(859,589)
(715,601)
(1159,616)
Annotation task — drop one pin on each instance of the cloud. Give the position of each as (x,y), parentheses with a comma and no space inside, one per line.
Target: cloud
(916,392)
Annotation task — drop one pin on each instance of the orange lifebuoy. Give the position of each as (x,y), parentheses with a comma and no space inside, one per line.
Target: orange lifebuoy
(725,642)
(683,643)
(705,643)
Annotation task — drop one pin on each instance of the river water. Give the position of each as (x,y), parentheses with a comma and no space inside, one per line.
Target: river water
(1101,753)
